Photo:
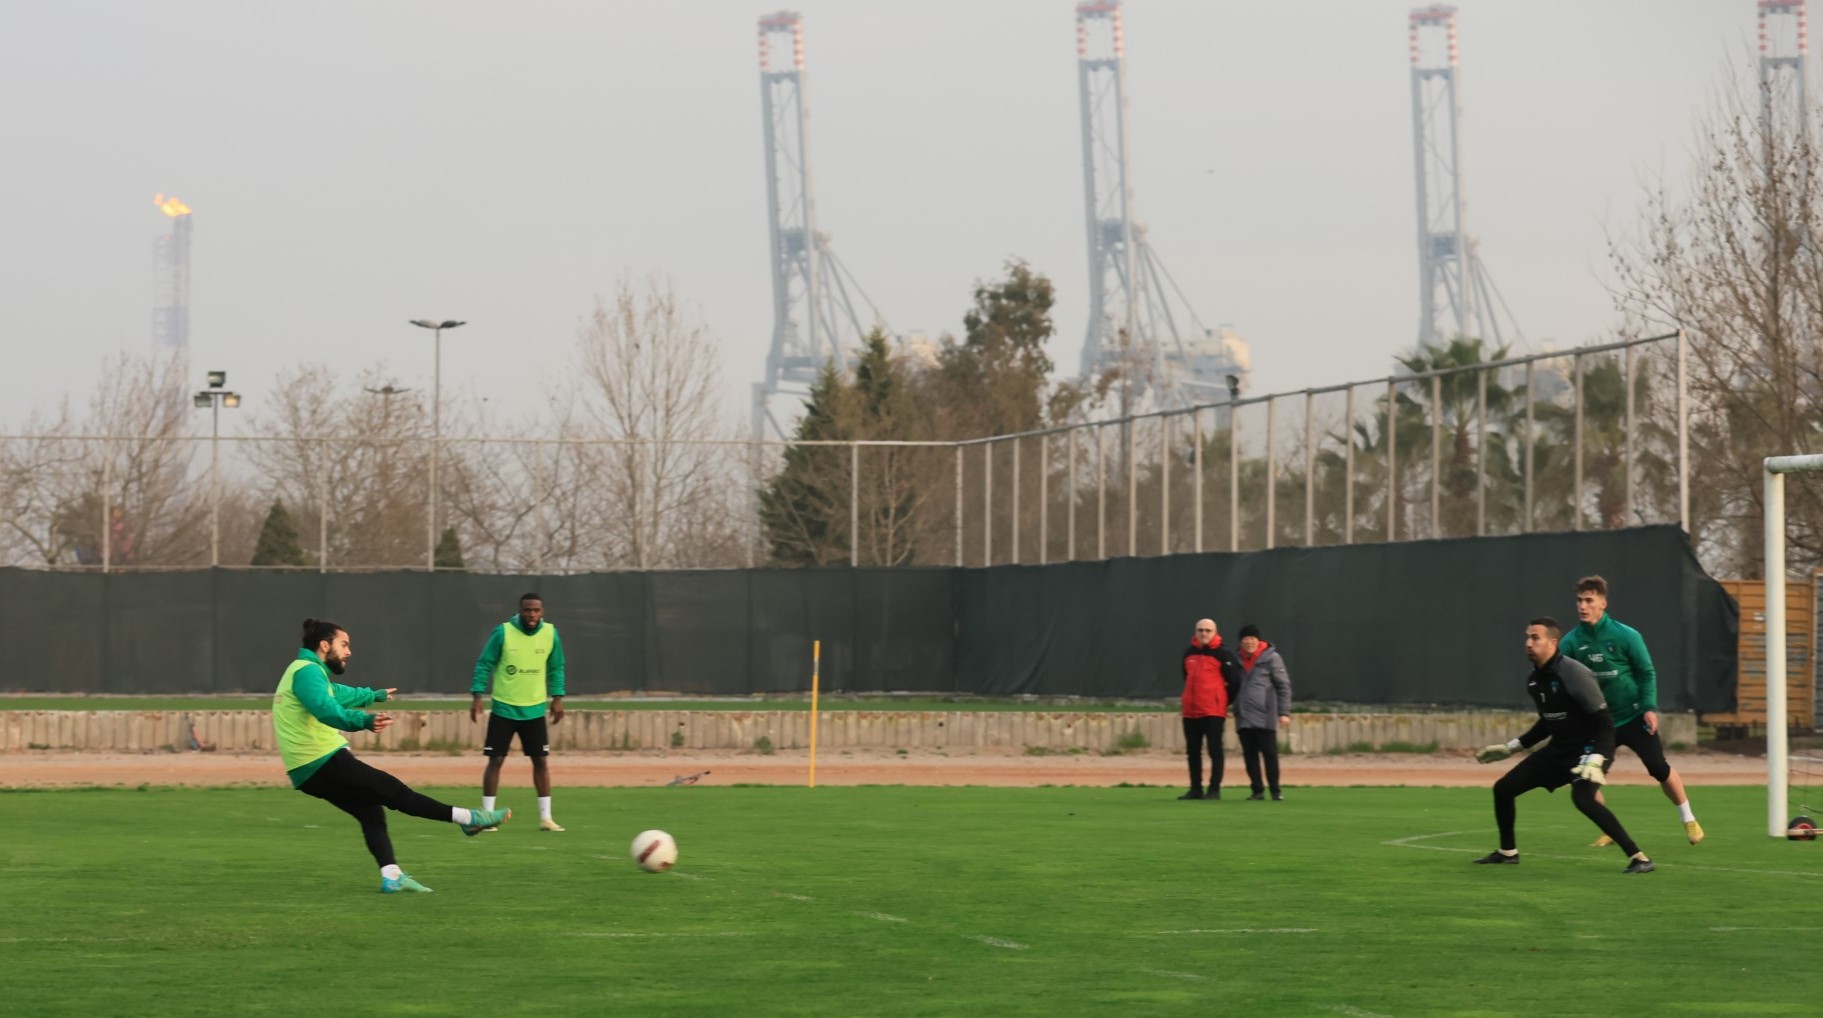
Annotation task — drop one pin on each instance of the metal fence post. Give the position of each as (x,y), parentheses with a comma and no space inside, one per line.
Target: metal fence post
(1348,467)
(1234,476)
(1070,509)
(1481,452)
(1683,433)
(1576,501)
(322,518)
(854,504)
(1272,472)
(1164,483)
(1196,469)
(1530,438)
(960,562)
(1630,365)
(107,507)
(1015,551)
(754,503)
(987,503)
(1132,429)
(1436,455)
(1310,469)
(1044,499)
(1392,456)
(1101,493)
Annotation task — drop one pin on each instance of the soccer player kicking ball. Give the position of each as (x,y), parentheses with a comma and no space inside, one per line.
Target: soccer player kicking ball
(309,715)
(1617,654)
(1573,715)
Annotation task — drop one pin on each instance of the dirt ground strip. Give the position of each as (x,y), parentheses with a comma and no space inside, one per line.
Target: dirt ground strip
(648,768)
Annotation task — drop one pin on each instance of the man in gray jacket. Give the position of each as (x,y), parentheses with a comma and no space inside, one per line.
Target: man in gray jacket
(1262,704)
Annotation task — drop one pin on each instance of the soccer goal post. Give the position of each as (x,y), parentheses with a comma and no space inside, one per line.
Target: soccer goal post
(1778,726)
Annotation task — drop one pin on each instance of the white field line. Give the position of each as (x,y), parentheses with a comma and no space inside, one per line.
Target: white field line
(1409,843)
(1765,929)
(792,897)
(1355,1012)
(717,933)
(883,917)
(1240,929)
(63,940)
(1172,975)
(1011,945)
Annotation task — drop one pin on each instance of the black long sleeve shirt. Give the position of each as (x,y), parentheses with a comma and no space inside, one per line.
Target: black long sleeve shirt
(1571,710)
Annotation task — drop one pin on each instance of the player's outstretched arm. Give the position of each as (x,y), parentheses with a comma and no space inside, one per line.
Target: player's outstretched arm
(1497,752)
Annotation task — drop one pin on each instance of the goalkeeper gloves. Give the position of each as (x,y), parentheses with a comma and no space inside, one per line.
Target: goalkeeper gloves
(1589,769)
(1489,754)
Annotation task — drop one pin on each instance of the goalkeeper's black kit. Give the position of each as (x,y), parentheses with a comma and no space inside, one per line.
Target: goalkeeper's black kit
(1573,715)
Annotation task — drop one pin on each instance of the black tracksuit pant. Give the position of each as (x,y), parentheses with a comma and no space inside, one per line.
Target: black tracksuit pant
(1547,769)
(366,793)
(1261,746)
(1196,732)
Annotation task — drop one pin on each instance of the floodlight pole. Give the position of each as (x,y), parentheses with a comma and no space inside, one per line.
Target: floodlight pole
(436,432)
(214,397)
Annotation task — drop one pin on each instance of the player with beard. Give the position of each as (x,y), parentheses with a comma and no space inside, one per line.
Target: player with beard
(309,714)
(1573,715)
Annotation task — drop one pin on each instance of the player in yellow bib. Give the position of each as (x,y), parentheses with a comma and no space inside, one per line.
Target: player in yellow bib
(523,661)
(309,714)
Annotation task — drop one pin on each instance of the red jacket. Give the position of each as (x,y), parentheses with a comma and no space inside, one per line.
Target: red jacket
(1206,680)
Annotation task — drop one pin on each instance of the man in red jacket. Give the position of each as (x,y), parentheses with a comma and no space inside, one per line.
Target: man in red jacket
(1210,673)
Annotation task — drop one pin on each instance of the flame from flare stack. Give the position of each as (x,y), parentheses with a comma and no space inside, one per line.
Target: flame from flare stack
(170,206)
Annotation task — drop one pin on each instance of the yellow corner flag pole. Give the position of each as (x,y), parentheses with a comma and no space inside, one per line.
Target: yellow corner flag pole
(816,662)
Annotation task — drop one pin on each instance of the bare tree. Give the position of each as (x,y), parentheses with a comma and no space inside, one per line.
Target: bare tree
(652,388)
(531,500)
(1738,262)
(111,487)
(360,456)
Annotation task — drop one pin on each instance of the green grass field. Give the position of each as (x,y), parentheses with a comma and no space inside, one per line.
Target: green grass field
(904,901)
(896,703)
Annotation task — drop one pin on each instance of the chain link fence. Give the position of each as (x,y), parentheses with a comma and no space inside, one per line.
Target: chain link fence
(1591,438)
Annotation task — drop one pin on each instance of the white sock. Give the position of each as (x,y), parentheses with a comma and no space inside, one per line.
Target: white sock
(544,807)
(1509,851)
(1684,813)
(392,872)
(460,815)
(487,802)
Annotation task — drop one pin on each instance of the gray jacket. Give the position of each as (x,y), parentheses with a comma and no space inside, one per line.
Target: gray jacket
(1265,692)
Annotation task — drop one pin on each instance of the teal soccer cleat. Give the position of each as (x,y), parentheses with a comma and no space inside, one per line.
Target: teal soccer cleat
(481,819)
(404,883)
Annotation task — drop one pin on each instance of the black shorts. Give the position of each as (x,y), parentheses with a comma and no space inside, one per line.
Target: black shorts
(534,736)
(1548,769)
(1645,745)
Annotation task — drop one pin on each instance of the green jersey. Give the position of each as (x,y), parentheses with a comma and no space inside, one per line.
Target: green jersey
(523,667)
(310,713)
(1617,654)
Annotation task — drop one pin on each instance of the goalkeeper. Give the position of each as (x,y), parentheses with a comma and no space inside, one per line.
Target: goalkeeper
(1573,715)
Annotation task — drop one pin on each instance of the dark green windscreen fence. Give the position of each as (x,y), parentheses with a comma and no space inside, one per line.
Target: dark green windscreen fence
(1413,622)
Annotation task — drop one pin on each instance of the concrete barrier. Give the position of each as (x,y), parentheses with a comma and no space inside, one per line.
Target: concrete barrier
(603,730)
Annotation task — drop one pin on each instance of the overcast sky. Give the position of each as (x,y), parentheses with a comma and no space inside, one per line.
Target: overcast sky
(353,165)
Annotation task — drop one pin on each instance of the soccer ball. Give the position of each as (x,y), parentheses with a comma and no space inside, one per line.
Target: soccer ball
(1802,829)
(654,851)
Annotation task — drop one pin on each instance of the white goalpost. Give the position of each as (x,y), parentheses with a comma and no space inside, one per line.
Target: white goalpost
(1778,754)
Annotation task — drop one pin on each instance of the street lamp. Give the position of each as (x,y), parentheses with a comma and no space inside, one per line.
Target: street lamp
(213,399)
(436,431)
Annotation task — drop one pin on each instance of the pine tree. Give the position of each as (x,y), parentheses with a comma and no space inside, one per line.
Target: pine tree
(449,552)
(278,544)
